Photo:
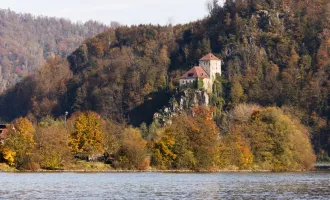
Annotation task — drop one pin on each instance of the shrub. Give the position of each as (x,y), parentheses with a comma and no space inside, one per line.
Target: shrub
(277,141)
(87,136)
(132,153)
(19,144)
(190,142)
(52,146)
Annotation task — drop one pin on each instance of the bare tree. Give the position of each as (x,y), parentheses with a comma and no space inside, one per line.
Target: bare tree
(211,5)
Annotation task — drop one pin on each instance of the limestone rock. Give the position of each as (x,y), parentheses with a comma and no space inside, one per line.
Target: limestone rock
(180,102)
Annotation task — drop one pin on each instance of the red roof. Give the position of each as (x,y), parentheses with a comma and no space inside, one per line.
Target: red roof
(195,72)
(209,56)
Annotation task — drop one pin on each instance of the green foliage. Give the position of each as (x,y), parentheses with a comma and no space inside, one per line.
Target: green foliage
(217,99)
(237,93)
(200,83)
(144,130)
(205,46)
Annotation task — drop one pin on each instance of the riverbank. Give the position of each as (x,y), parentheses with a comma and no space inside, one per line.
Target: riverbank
(110,170)
(6,168)
(323,166)
(98,167)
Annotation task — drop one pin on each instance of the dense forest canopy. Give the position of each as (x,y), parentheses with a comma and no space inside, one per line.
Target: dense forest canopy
(275,53)
(27,41)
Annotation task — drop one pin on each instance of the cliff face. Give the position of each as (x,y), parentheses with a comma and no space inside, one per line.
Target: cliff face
(180,102)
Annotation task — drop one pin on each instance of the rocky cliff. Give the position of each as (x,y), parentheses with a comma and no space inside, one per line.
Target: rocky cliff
(180,102)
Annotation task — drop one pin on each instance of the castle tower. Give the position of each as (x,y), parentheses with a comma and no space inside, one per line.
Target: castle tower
(208,67)
(212,65)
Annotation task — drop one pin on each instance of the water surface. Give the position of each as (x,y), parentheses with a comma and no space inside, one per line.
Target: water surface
(311,185)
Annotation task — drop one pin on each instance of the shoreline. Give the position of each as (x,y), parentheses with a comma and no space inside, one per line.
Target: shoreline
(6,169)
(157,171)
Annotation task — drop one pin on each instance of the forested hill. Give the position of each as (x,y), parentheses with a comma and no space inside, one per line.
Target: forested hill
(26,41)
(275,52)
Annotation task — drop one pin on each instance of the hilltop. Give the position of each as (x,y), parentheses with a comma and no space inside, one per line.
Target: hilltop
(27,41)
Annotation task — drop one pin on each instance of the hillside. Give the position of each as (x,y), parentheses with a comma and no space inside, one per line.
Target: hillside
(275,53)
(27,41)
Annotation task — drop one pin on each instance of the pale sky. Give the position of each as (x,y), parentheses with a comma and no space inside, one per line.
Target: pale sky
(124,11)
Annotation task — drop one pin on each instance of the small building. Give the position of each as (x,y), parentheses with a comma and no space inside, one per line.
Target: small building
(209,66)
(3,133)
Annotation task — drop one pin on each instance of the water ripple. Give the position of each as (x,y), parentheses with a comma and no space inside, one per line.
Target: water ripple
(314,185)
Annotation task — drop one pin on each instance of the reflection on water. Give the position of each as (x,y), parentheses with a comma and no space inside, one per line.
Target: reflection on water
(313,185)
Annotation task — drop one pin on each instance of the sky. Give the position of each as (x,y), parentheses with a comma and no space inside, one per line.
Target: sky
(126,12)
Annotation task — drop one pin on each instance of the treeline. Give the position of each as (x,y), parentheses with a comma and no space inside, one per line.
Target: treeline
(26,41)
(275,53)
(258,139)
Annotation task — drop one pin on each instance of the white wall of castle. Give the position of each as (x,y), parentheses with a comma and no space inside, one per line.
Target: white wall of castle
(212,67)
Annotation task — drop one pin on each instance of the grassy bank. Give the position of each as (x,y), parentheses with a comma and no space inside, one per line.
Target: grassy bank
(100,167)
(6,168)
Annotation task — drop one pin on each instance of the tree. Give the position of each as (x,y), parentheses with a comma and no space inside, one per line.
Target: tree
(217,99)
(211,6)
(190,142)
(19,144)
(87,136)
(235,152)
(132,153)
(26,50)
(277,141)
(204,133)
(237,93)
(52,145)
(205,46)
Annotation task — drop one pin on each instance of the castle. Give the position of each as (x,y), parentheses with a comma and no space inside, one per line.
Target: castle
(206,72)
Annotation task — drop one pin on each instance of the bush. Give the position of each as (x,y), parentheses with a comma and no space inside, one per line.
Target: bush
(87,136)
(52,146)
(132,153)
(278,142)
(32,166)
(19,144)
(190,142)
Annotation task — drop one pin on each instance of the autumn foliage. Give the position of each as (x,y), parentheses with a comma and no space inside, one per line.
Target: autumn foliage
(190,142)
(19,145)
(258,138)
(87,136)
(268,139)
(274,55)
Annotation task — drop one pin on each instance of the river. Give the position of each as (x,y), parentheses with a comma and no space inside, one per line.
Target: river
(308,185)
